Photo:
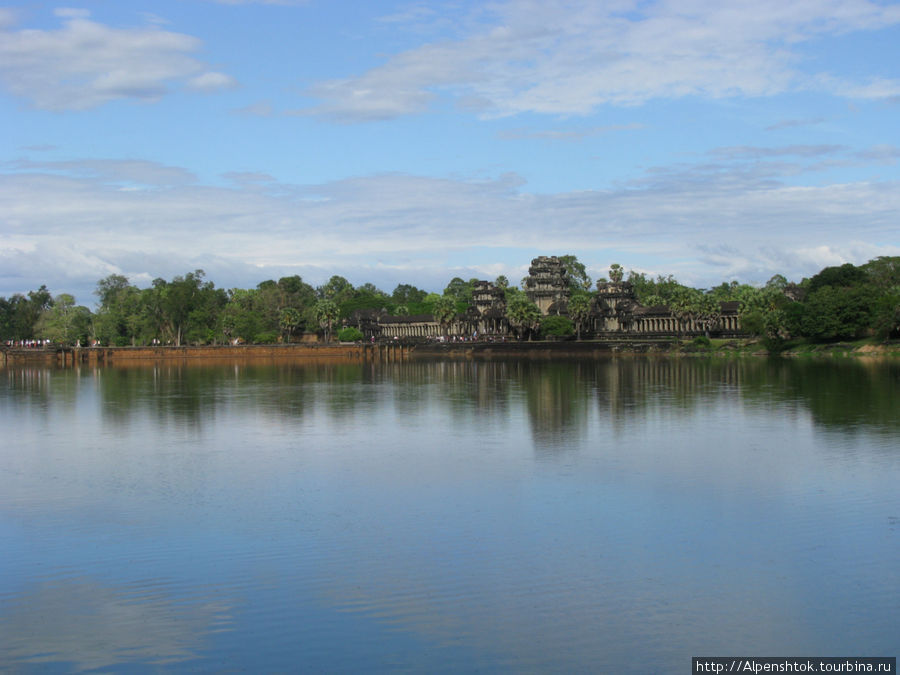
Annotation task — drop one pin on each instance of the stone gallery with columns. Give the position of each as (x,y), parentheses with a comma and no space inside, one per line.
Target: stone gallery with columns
(614,313)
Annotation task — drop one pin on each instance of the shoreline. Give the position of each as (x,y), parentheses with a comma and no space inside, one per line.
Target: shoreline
(401,351)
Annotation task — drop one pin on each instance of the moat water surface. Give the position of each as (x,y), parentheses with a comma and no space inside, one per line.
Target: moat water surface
(578,516)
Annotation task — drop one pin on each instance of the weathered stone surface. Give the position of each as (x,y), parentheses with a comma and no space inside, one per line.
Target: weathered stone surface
(547,285)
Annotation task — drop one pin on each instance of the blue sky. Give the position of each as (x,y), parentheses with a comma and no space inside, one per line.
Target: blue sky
(413,142)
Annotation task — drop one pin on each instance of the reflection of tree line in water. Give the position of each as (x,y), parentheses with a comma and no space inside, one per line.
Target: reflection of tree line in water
(845,394)
(196,392)
(556,394)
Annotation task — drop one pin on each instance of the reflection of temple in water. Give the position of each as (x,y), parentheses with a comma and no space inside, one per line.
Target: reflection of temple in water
(614,312)
(557,398)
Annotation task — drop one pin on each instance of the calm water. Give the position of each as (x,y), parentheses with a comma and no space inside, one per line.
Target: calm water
(605,516)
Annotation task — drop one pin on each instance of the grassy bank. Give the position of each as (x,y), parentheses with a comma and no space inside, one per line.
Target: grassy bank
(868,347)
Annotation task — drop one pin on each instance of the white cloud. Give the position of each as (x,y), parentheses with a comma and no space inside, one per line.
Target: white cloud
(212,81)
(569,57)
(67,224)
(112,171)
(85,64)
(873,88)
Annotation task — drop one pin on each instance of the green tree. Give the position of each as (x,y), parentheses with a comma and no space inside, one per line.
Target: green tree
(20,314)
(766,312)
(459,290)
(444,312)
(367,296)
(843,276)
(725,292)
(369,288)
(884,280)
(886,314)
(649,292)
(616,273)
(327,313)
(883,272)
(120,317)
(777,283)
(350,334)
(405,294)
(267,302)
(510,293)
(110,288)
(576,273)
(186,307)
(241,319)
(684,304)
(290,321)
(556,326)
(579,311)
(63,322)
(25,312)
(523,315)
(837,312)
(337,289)
(204,320)
(40,299)
(296,293)
(6,314)
(708,311)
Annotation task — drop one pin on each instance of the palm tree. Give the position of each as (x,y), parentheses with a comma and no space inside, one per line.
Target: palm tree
(525,314)
(684,306)
(289,321)
(444,312)
(326,313)
(579,311)
(709,311)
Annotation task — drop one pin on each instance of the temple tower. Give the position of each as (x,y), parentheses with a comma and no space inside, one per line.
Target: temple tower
(547,283)
(613,305)
(490,303)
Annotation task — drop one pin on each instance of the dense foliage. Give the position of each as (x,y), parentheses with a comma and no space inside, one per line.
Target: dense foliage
(350,334)
(840,302)
(556,327)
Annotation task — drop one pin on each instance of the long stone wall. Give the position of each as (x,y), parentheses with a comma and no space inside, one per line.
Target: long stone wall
(119,356)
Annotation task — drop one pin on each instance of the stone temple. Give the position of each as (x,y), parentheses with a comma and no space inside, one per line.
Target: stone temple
(614,313)
(547,285)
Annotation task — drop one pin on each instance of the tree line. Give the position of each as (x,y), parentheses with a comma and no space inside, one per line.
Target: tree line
(840,302)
